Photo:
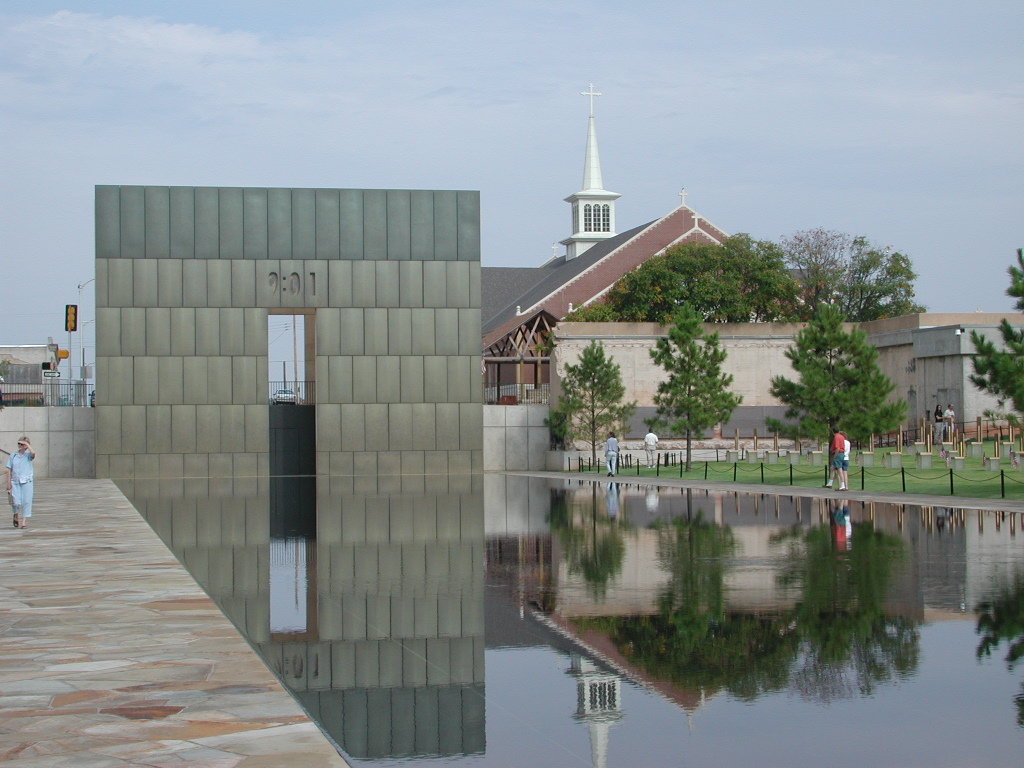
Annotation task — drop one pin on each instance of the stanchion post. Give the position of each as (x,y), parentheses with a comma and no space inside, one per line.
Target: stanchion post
(951,481)
(903,478)
(862,478)
(706,470)
(1002,484)
(790,474)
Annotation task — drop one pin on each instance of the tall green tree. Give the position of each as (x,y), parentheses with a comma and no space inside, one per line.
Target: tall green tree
(591,399)
(865,281)
(741,280)
(695,395)
(839,384)
(1000,372)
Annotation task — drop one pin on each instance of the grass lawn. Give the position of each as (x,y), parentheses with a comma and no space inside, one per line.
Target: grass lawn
(973,482)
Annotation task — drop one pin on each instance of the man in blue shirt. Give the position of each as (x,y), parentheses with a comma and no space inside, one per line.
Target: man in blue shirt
(20,474)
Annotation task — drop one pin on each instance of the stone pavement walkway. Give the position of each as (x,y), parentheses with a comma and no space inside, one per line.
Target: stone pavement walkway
(113,656)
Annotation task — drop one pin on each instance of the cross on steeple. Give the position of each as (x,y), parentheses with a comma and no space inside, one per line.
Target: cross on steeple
(591,93)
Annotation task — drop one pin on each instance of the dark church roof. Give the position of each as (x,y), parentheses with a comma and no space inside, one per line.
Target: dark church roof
(505,288)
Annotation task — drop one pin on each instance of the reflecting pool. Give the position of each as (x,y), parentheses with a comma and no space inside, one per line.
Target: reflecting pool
(505,621)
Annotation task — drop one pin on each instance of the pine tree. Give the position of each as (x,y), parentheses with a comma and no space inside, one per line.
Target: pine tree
(695,396)
(840,384)
(1001,373)
(591,399)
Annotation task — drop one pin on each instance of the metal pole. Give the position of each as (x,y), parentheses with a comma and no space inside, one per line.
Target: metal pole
(295,353)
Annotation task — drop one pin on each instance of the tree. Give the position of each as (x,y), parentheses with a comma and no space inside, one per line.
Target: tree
(742,280)
(998,372)
(591,399)
(695,395)
(840,383)
(866,282)
(597,312)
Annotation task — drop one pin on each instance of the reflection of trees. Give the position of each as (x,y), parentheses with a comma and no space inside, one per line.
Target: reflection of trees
(836,642)
(693,641)
(849,644)
(593,544)
(1002,618)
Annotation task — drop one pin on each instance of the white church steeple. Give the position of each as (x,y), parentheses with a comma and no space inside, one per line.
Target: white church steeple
(593,207)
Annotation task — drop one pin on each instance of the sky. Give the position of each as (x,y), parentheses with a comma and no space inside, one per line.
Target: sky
(898,120)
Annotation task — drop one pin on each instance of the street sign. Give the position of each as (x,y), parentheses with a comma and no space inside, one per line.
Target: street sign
(51,374)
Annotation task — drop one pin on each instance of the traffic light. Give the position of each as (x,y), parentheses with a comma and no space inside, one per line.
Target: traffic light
(70,317)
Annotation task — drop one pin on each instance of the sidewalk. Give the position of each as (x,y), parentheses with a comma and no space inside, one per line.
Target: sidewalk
(114,656)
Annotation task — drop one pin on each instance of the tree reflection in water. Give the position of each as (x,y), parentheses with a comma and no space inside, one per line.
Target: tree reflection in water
(592,541)
(1002,619)
(836,642)
(849,643)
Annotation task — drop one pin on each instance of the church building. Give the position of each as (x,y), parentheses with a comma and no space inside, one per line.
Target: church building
(520,305)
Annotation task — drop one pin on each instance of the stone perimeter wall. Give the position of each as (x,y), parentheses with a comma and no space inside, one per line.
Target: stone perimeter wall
(63,437)
(924,355)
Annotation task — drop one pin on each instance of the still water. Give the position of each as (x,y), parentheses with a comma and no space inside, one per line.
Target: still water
(507,621)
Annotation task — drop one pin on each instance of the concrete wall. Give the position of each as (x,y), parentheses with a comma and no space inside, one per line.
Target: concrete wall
(64,439)
(922,354)
(756,353)
(185,278)
(515,437)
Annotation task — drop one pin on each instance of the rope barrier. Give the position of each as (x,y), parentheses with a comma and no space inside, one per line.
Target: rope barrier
(776,474)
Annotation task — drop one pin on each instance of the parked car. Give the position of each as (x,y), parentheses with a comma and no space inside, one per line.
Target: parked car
(283,397)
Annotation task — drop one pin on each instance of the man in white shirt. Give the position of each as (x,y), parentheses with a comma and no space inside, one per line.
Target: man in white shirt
(650,447)
(949,417)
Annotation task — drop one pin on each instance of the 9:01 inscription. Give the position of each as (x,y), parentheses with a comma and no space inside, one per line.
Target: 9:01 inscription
(290,284)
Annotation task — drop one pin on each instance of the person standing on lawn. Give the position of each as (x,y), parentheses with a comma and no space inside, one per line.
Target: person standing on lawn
(611,454)
(650,447)
(837,451)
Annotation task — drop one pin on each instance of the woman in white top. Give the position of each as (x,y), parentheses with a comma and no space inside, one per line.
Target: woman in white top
(20,474)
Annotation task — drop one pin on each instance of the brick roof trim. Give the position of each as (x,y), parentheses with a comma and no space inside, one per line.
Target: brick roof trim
(700,226)
(696,228)
(689,235)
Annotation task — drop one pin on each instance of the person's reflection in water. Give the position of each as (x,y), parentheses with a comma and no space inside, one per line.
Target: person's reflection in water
(651,500)
(842,529)
(612,500)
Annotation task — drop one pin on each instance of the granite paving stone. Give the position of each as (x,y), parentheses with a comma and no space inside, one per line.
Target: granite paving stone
(114,656)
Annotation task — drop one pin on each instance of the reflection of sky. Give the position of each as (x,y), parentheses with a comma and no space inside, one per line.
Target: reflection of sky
(288,585)
(953,712)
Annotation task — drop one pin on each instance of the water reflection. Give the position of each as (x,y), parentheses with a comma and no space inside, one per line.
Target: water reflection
(609,615)
(1000,620)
